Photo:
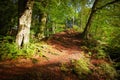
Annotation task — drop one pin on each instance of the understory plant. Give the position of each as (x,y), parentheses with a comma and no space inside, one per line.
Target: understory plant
(10,50)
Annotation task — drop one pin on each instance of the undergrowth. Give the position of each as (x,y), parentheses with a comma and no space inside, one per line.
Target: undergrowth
(85,70)
(9,49)
(81,67)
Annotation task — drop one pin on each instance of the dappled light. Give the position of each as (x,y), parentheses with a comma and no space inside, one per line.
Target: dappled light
(60,40)
(61,58)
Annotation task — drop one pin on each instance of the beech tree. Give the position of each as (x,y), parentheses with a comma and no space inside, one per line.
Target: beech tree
(25,14)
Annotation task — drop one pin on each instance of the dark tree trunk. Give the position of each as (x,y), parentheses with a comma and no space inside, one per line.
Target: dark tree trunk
(87,26)
(93,10)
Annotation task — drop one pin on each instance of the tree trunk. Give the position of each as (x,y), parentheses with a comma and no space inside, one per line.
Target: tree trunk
(25,14)
(41,35)
(93,10)
(87,26)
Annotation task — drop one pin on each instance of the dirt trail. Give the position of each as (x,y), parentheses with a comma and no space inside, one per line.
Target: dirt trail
(64,47)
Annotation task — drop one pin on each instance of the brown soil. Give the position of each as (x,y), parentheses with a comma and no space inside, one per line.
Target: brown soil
(64,47)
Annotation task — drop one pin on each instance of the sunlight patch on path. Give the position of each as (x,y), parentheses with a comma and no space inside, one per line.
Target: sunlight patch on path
(64,57)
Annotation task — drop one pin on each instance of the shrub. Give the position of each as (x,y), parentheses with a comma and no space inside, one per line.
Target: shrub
(101,54)
(107,71)
(8,50)
(81,67)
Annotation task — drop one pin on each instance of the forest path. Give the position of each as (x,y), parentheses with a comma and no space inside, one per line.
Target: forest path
(61,48)
(65,47)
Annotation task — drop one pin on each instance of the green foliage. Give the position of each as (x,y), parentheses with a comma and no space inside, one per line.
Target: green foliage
(106,70)
(10,50)
(8,14)
(76,28)
(59,28)
(105,24)
(81,67)
(101,54)
(86,70)
(115,41)
(57,13)
(8,39)
(7,46)
(29,51)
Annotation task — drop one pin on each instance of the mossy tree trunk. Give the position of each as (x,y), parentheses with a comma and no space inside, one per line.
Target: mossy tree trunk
(43,21)
(25,14)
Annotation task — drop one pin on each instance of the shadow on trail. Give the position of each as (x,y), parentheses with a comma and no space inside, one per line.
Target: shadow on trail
(35,72)
(68,39)
(61,49)
(66,44)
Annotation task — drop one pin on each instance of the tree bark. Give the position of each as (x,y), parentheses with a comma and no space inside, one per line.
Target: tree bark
(87,26)
(41,35)
(25,14)
(93,10)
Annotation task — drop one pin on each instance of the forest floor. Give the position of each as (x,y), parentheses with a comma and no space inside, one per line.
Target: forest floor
(58,50)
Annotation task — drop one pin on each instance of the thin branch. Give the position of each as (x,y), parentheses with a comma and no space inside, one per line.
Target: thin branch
(112,2)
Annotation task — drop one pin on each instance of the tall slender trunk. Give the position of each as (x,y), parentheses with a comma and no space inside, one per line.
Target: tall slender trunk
(93,10)
(88,24)
(25,14)
(42,26)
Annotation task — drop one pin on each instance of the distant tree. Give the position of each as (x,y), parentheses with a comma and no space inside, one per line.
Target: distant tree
(42,18)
